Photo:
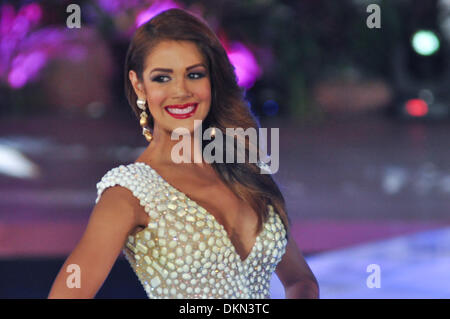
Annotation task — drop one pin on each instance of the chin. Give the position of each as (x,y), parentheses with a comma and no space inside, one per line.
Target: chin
(184,126)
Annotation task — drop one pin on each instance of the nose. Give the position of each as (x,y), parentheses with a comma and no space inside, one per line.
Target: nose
(180,89)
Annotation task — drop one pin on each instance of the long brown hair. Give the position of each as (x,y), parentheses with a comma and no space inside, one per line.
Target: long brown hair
(228,106)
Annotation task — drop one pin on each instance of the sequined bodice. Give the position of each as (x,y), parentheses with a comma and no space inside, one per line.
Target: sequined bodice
(184,252)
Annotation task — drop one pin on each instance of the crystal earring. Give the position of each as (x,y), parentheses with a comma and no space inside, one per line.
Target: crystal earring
(143,121)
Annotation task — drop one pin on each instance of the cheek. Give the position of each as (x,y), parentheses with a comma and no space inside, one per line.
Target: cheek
(155,95)
(204,92)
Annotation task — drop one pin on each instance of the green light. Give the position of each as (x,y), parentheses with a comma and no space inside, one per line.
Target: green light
(425,42)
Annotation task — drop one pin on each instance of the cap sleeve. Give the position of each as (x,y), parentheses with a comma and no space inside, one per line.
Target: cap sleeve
(124,176)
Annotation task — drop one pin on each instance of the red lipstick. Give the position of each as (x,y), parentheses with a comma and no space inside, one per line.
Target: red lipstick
(181,111)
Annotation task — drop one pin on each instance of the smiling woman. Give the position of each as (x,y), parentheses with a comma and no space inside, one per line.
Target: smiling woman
(189,230)
(175,71)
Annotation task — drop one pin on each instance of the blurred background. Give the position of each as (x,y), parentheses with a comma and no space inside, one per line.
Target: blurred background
(361,100)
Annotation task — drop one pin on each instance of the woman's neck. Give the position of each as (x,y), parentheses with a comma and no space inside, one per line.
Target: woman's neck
(186,150)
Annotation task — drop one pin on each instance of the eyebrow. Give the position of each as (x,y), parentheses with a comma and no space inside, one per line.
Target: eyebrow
(170,70)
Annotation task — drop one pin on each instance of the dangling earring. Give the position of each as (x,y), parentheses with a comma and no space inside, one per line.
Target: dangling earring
(143,121)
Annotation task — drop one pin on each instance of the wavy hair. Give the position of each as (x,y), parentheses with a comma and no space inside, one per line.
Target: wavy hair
(229,109)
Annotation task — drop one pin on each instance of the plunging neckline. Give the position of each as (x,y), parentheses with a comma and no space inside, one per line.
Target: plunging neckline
(214,219)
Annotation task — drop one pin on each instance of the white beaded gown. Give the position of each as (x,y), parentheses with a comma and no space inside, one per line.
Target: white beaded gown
(184,252)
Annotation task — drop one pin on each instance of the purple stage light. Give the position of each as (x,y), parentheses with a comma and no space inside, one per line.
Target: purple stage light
(153,10)
(26,67)
(246,67)
(117,6)
(32,12)
(7,16)
(14,28)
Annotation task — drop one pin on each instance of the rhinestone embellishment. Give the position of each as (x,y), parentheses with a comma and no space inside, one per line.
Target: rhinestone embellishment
(184,252)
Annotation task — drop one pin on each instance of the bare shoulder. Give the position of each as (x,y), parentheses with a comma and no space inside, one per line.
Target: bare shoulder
(116,215)
(121,203)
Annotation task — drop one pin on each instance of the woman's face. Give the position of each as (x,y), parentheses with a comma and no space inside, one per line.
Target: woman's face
(175,84)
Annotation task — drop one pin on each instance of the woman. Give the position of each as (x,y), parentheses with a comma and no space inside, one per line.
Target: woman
(189,229)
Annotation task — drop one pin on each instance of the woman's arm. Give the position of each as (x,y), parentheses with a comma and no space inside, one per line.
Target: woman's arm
(295,274)
(116,215)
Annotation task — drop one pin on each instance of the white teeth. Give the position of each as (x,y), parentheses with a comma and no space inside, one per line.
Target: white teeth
(181,111)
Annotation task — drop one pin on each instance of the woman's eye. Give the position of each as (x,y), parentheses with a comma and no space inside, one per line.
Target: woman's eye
(196,75)
(165,78)
(160,78)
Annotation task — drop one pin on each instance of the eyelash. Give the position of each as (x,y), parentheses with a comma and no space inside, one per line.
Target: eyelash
(155,79)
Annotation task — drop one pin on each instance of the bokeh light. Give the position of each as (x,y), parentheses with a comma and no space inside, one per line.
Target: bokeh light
(270,108)
(416,107)
(425,42)
(153,10)
(246,67)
